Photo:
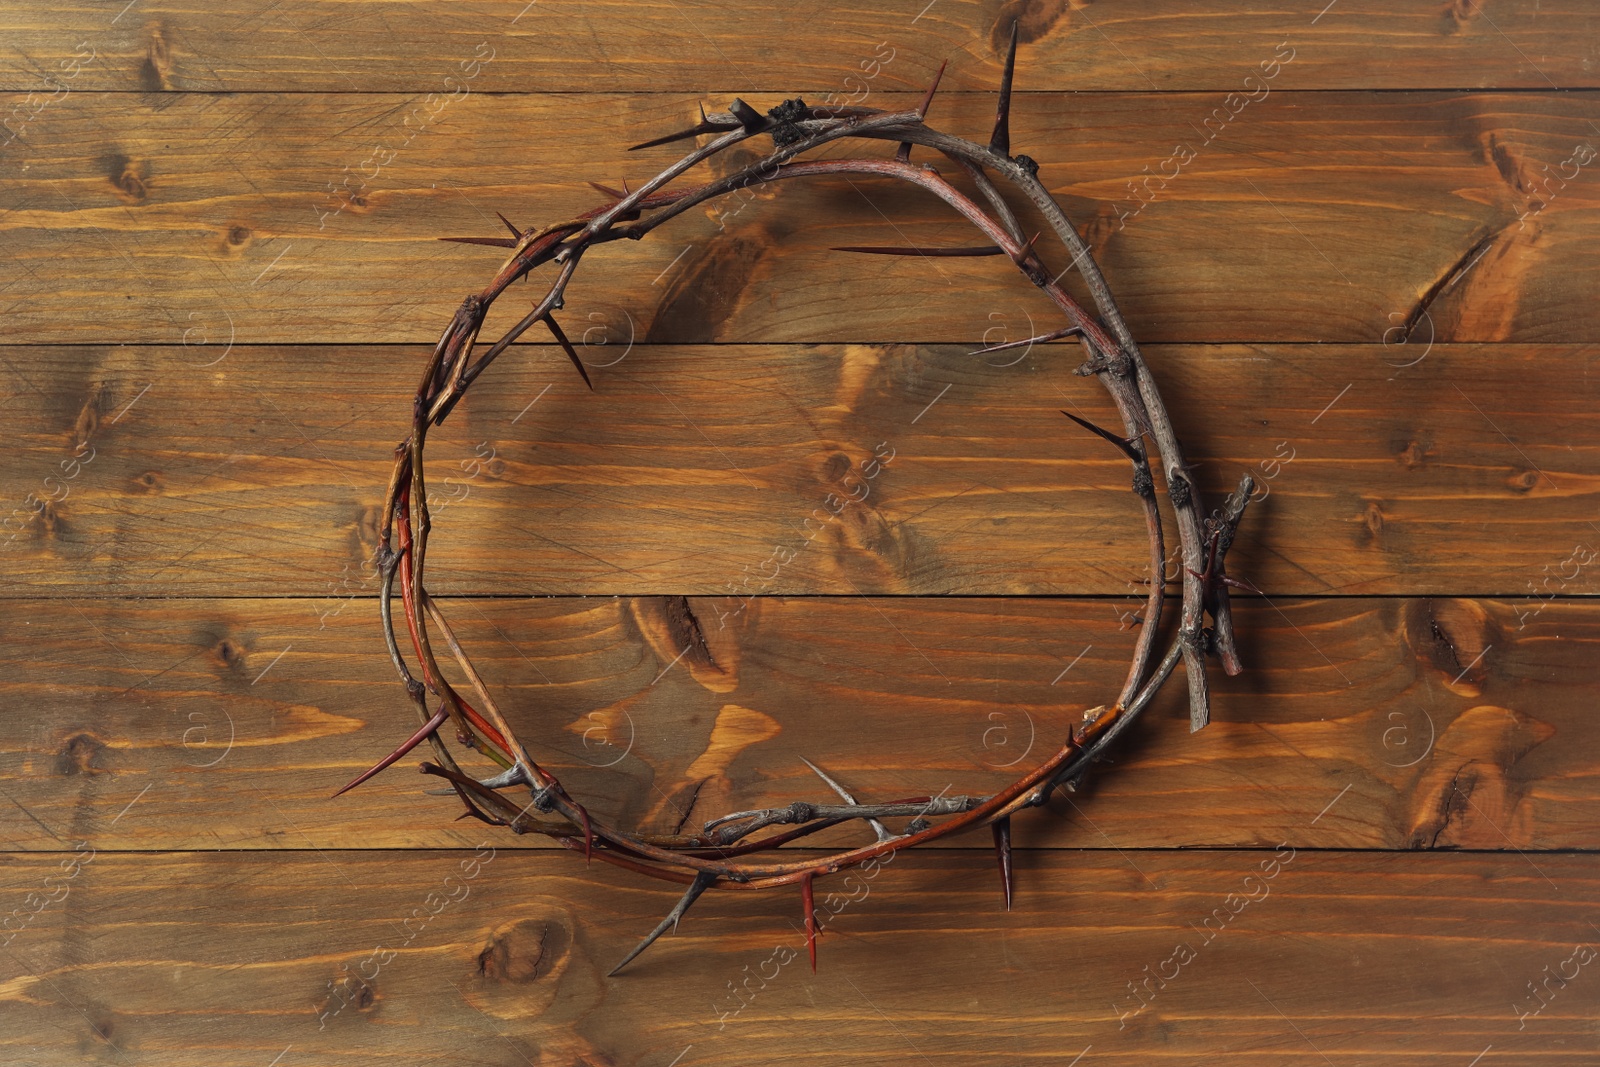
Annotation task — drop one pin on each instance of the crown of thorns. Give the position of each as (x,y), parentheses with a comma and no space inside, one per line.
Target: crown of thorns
(733,851)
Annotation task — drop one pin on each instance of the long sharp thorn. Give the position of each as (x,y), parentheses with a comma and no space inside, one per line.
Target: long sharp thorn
(704,126)
(908,250)
(702,880)
(1001,140)
(1002,851)
(615,194)
(904,154)
(927,97)
(572,353)
(693,131)
(808,905)
(1041,339)
(1240,583)
(514,231)
(493,242)
(1122,445)
(406,746)
(881,830)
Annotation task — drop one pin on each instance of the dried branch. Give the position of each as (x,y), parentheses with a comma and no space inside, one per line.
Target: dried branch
(730,852)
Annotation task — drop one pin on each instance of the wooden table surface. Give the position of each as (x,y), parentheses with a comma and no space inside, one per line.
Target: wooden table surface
(1360,242)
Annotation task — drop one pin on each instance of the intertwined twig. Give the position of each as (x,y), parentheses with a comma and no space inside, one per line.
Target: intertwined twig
(731,852)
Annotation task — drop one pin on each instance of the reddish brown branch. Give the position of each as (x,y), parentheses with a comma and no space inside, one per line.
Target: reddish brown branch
(730,854)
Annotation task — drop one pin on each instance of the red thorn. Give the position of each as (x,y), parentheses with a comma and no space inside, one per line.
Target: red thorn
(904,153)
(808,905)
(514,231)
(1002,850)
(927,97)
(410,743)
(615,194)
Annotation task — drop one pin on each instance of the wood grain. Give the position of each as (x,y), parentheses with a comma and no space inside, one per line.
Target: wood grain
(692,45)
(1358,240)
(1342,958)
(1303,217)
(1402,724)
(260,470)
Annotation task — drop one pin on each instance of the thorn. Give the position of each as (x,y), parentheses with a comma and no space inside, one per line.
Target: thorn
(514,231)
(702,880)
(904,154)
(614,194)
(927,97)
(1000,141)
(705,125)
(1041,339)
(752,120)
(1123,444)
(1239,583)
(572,353)
(808,905)
(625,187)
(881,830)
(893,250)
(1002,851)
(493,242)
(1027,249)
(406,746)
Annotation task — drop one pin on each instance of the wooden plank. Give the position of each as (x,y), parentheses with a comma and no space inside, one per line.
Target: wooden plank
(715,469)
(1302,217)
(1384,723)
(261,46)
(1270,957)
